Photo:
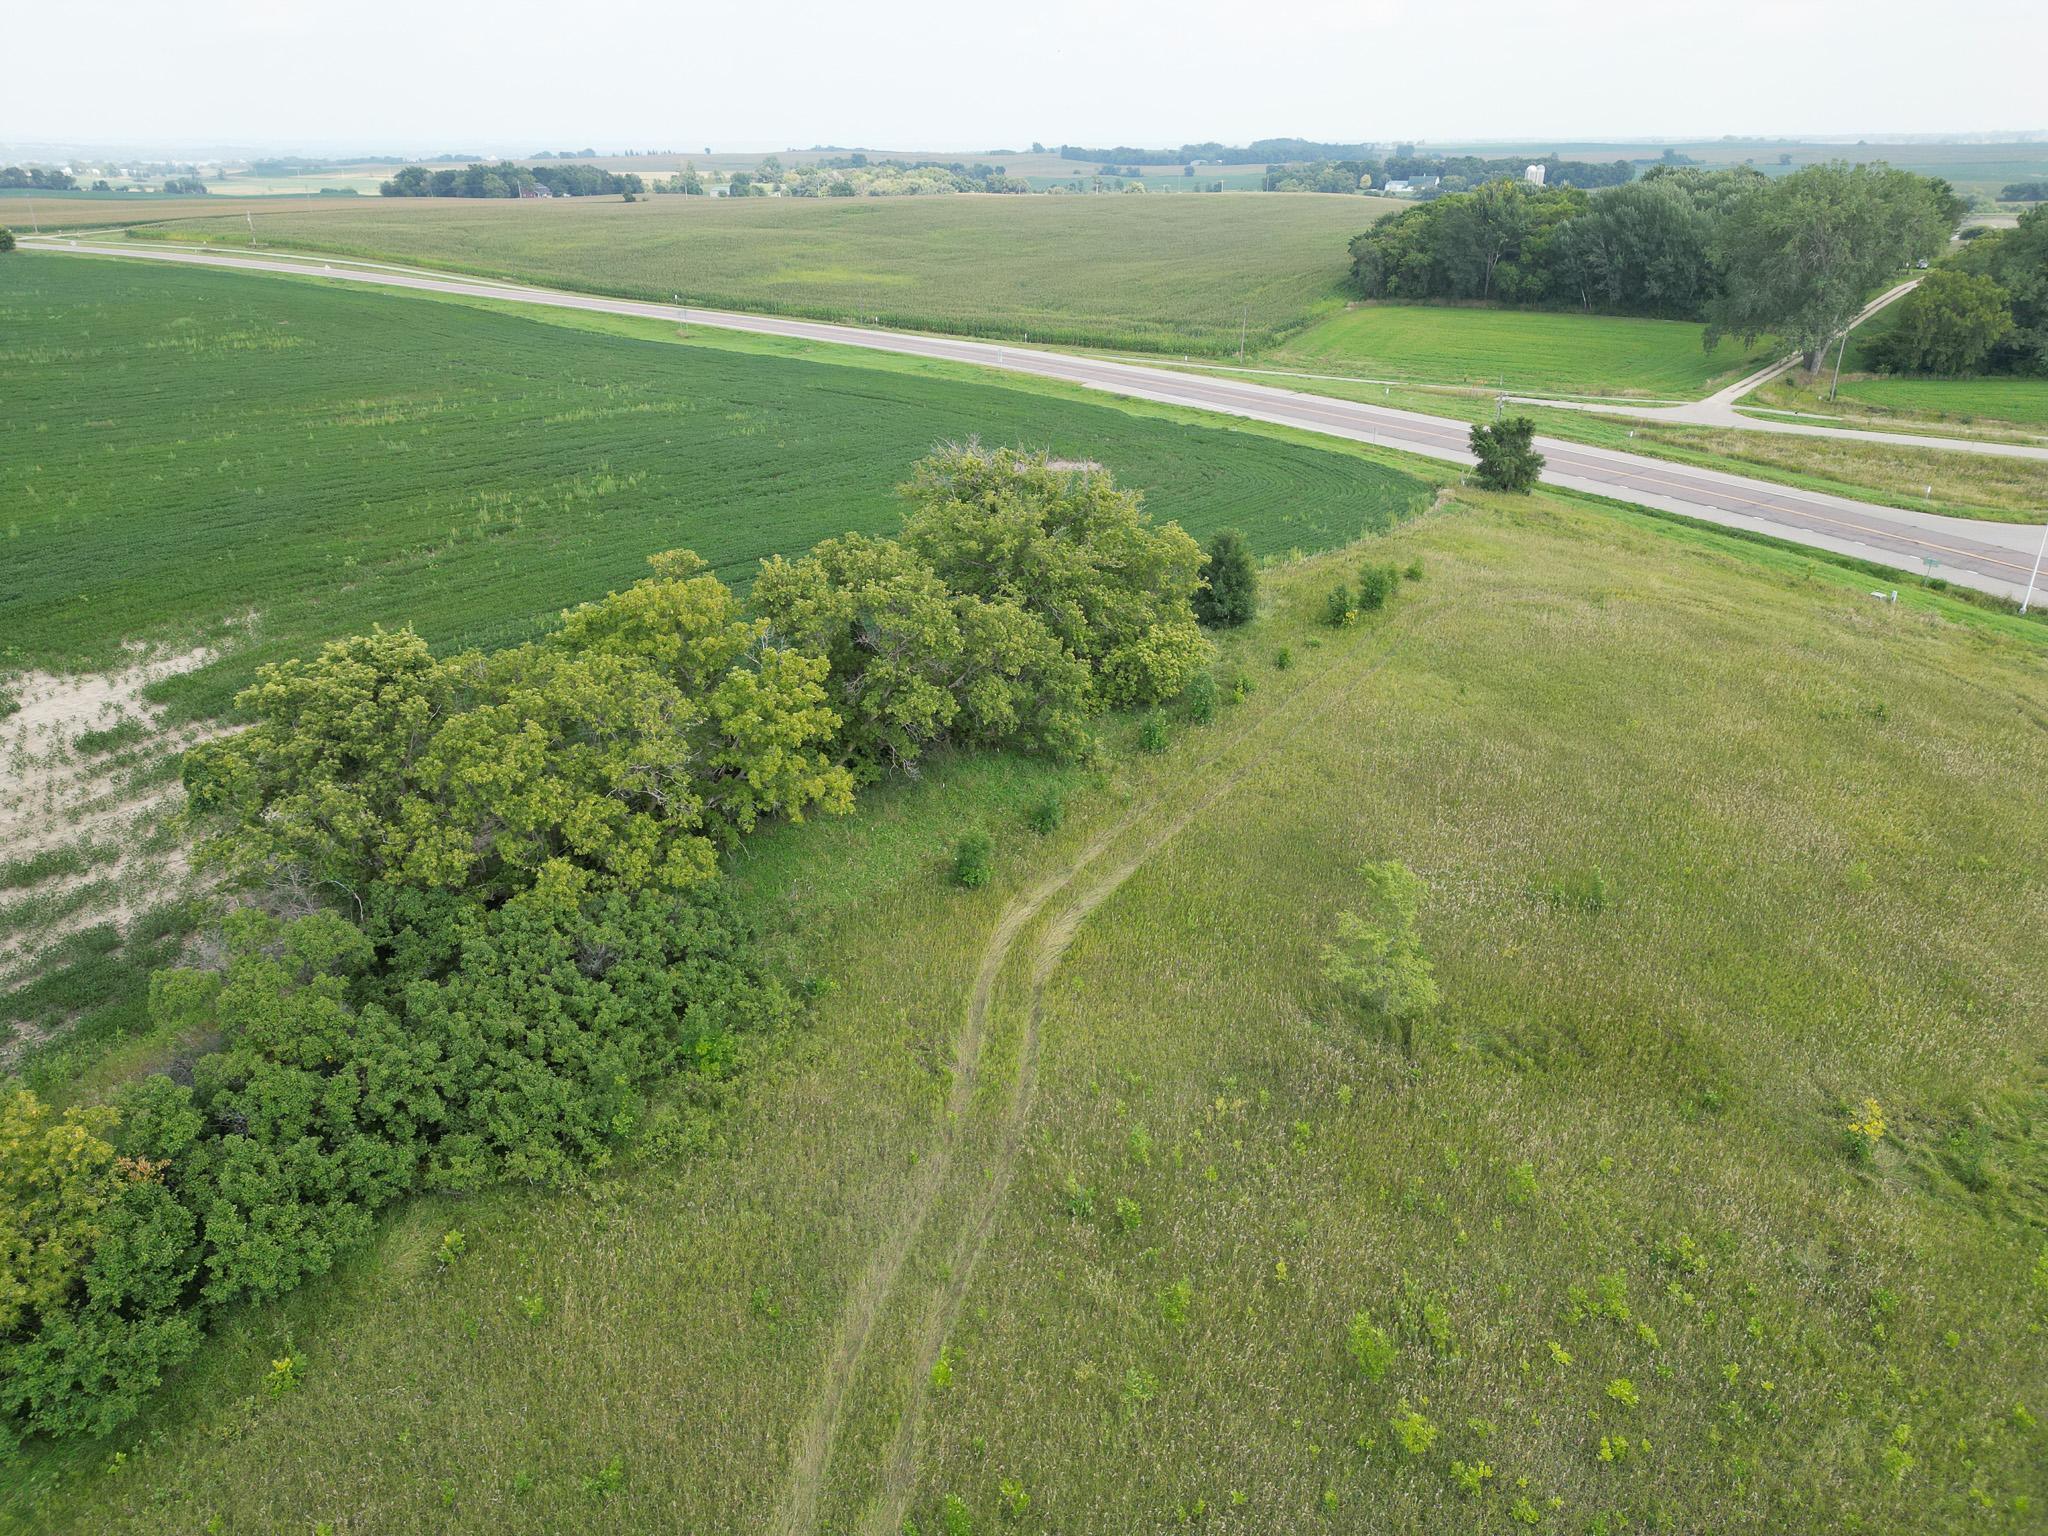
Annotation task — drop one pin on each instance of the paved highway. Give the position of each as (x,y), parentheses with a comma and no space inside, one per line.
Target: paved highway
(1993,557)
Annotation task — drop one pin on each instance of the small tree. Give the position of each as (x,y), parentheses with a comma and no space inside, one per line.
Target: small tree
(1377,582)
(1337,607)
(972,857)
(1376,959)
(6,240)
(1507,461)
(1229,594)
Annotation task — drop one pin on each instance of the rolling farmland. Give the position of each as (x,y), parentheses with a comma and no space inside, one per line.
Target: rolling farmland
(1606,1246)
(1183,273)
(193,447)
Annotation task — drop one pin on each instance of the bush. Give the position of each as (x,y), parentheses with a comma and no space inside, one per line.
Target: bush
(1507,461)
(971,860)
(1200,698)
(1338,606)
(1376,959)
(1153,735)
(1048,815)
(1414,571)
(1229,593)
(1377,582)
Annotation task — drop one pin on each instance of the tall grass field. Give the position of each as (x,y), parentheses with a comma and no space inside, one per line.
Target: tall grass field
(1711,1197)
(188,453)
(1179,273)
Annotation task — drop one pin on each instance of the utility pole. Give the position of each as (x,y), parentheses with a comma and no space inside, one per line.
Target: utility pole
(1243,319)
(2028,601)
(1832,388)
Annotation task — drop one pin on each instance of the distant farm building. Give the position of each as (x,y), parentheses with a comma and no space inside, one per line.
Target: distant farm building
(1534,175)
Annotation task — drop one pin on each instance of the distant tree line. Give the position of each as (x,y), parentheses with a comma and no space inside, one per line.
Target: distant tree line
(505,179)
(1457,173)
(2024,192)
(40,179)
(1793,257)
(186,186)
(1258,152)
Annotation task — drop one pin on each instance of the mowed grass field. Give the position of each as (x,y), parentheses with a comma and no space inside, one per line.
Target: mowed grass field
(191,454)
(1165,273)
(1714,849)
(1992,402)
(1535,351)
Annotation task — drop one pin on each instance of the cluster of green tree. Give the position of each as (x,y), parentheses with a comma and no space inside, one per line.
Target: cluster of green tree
(186,186)
(1794,256)
(1451,173)
(38,177)
(1258,152)
(1984,311)
(567,154)
(2024,192)
(687,182)
(506,179)
(483,905)
(856,176)
(1319,176)
(294,165)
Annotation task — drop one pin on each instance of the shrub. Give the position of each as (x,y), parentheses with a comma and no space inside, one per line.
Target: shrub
(1507,461)
(1413,1430)
(1414,571)
(1200,698)
(1338,606)
(1282,659)
(1048,815)
(971,860)
(1153,735)
(1370,1346)
(1376,959)
(1229,593)
(1377,581)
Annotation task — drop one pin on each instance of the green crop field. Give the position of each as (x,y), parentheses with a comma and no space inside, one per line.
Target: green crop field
(1166,273)
(27,212)
(186,448)
(1084,1201)
(1522,350)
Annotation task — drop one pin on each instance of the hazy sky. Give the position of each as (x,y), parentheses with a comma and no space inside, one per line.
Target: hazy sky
(427,75)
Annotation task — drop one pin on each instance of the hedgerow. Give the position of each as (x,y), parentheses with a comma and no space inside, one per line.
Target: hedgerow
(480,913)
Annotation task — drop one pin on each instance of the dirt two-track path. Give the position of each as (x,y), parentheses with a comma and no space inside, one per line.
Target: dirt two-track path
(1043,919)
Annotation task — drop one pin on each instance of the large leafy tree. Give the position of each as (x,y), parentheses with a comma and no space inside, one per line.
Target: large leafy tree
(652,728)
(1071,549)
(2017,260)
(1948,325)
(1799,255)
